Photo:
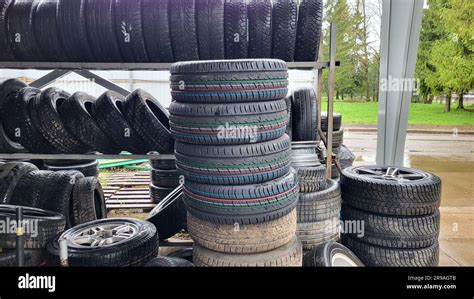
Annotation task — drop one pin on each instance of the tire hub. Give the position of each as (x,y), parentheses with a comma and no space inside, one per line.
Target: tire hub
(105,234)
(390,173)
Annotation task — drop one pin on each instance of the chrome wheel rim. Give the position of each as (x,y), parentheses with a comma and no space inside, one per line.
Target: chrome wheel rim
(105,234)
(390,173)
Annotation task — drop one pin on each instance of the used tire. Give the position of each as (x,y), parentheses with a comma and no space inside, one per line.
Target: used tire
(156,30)
(90,169)
(311,179)
(243,204)
(76,115)
(305,154)
(391,190)
(287,255)
(336,121)
(289,125)
(45,223)
(164,261)
(235,29)
(308,34)
(313,234)
(304,110)
(150,120)
(29,189)
(183,30)
(157,194)
(248,122)
(88,203)
(321,205)
(10,174)
(234,164)
(128,26)
(32,258)
(101,30)
(163,164)
(331,254)
(260,28)
(165,178)
(9,88)
(138,245)
(285,15)
(185,253)
(6,53)
(247,238)
(210,28)
(223,81)
(7,145)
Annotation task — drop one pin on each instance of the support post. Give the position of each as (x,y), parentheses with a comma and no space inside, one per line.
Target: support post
(20,238)
(102,82)
(49,78)
(332,68)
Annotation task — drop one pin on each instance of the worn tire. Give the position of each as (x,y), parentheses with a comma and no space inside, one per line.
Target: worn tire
(183,30)
(90,169)
(150,120)
(210,28)
(163,164)
(9,88)
(32,258)
(308,34)
(304,113)
(7,145)
(157,194)
(164,261)
(76,115)
(234,164)
(336,121)
(260,28)
(289,125)
(290,254)
(235,29)
(6,53)
(239,123)
(397,198)
(88,202)
(284,18)
(165,178)
(223,81)
(311,179)
(10,174)
(156,30)
(315,233)
(248,238)
(321,205)
(326,256)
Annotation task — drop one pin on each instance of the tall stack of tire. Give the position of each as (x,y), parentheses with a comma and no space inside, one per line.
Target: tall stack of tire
(229,120)
(164,178)
(399,208)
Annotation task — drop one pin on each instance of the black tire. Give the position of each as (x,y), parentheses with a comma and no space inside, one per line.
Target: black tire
(210,28)
(163,164)
(169,216)
(243,204)
(10,174)
(235,29)
(139,249)
(308,34)
(420,196)
(289,125)
(6,53)
(284,18)
(164,261)
(20,30)
(331,254)
(185,253)
(304,113)
(313,234)
(107,111)
(239,123)
(9,88)
(221,81)
(251,238)
(165,178)
(32,258)
(29,189)
(46,225)
(234,164)
(321,205)
(16,118)
(150,120)
(90,169)
(128,26)
(157,194)
(7,145)
(376,256)
(46,31)
(290,254)
(395,232)
(44,112)
(101,31)
(67,162)
(337,139)
(260,28)
(311,179)
(76,115)
(156,30)
(183,30)
(87,202)
(72,30)
(336,121)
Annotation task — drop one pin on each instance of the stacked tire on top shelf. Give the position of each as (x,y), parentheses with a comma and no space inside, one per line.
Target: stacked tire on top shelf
(229,120)
(399,208)
(158,30)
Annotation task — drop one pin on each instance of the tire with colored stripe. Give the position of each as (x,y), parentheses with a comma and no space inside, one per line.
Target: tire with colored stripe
(228,124)
(242,204)
(235,81)
(234,164)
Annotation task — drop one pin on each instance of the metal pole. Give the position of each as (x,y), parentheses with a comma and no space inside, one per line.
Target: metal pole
(20,238)
(332,68)
(319,84)
(49,78)
(63,256)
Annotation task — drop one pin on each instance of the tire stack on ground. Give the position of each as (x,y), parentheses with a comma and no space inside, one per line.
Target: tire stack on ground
(399,208)
(229,120)
(164,178)
(337,130)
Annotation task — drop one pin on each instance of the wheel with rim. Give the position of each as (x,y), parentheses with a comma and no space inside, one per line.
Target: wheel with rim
(331,254)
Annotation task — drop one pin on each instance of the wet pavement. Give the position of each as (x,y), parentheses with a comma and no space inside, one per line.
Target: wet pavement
(451,157)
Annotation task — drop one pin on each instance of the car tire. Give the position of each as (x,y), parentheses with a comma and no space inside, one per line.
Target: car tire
(10,174)
(308,33)
(210,28)
(164,261)
(260,28)
(285,15)
(156,30)
(331,254)
(304,109)
(183,30)
(235,29)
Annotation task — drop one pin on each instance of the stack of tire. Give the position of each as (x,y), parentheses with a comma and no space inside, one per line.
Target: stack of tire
(337,142)
(86,167)
(229,120)
(399,208)
(158,30)
(319,201)
(164,178)
(83,124)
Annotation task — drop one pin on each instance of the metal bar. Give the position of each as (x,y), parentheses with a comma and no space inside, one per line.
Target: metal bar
(49,78)
(319,84)
(63,254)
(80,157)
(20,238)
(102,82)
(332,68)
(336,162)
